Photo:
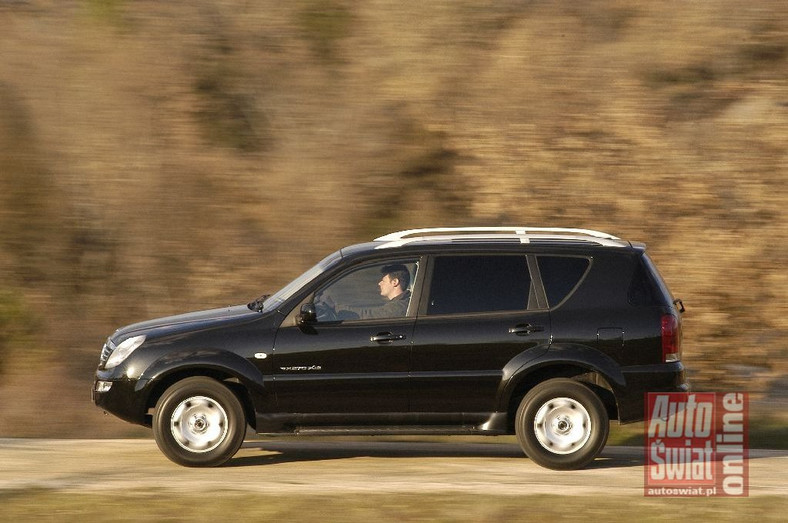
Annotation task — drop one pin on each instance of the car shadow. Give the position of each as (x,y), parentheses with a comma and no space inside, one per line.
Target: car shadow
(256,453)
(279,451)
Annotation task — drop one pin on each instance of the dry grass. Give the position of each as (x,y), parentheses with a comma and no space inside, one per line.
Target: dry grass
(162,157)
(32,505)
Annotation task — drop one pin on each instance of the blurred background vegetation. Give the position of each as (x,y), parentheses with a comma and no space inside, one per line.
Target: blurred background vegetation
(161,157)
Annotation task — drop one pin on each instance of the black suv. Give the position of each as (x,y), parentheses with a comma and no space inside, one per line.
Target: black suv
(540,332)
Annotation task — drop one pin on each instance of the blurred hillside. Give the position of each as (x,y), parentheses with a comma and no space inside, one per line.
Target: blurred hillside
(161,157)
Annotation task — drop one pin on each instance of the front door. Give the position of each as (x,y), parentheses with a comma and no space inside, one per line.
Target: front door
(355,357)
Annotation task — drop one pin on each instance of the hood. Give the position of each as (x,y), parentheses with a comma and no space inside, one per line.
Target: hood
(192,321)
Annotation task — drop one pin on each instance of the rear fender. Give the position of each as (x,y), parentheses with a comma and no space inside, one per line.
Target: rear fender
(564,356)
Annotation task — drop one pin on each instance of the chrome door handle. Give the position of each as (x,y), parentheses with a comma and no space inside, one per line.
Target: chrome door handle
(386,337)
(525,328)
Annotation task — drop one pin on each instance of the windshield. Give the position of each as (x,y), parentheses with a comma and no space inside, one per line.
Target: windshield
(275,300)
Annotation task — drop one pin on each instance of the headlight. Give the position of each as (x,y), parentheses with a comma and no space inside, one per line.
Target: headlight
(123,350)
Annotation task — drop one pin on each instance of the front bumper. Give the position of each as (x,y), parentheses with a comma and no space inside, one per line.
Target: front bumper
(122,398)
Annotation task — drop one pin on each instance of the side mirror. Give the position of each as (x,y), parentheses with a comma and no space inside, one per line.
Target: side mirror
(307,315)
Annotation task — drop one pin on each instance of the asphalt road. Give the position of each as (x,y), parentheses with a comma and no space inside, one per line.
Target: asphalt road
(365,466)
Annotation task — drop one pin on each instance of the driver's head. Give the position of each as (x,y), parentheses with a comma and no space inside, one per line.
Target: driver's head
(395,280)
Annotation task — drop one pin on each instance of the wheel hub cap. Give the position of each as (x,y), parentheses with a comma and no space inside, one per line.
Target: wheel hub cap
(562,425)
(199,424)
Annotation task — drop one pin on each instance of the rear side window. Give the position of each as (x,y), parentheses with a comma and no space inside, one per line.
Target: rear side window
(468,284)
(560,275)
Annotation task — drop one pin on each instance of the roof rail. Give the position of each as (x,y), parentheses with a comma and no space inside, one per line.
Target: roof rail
(521,234)
(510,230)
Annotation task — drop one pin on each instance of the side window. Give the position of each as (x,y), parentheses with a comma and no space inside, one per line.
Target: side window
(467,284)
(560,275)
(380,290)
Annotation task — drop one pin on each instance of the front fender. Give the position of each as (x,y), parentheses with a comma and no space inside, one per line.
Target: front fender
(218,361)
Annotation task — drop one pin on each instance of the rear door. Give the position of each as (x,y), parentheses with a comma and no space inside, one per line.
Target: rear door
(479,314)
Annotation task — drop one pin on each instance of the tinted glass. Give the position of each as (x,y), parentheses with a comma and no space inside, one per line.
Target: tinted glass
(560,274)
(466,284)
(294,286)
(359,294)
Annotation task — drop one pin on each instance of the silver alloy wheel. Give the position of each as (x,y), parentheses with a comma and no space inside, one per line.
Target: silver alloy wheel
(199,424)
(562,425)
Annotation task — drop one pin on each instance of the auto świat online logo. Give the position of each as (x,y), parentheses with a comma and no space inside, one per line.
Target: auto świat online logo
(696,444)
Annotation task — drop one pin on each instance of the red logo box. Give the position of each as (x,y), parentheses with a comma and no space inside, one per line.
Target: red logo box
(696,444)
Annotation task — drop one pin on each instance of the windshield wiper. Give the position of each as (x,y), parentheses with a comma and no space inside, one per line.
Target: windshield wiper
(257,305)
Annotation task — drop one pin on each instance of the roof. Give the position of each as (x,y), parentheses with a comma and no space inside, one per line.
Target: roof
(499,234)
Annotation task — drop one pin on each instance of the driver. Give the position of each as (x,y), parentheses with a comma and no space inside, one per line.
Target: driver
(393,286)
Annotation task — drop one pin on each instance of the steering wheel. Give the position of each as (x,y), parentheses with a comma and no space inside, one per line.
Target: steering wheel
(325,312)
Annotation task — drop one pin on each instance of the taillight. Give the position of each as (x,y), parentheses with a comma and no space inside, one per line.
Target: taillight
(671,338)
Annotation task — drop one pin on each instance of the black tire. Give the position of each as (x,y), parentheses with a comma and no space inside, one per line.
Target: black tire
(561,424)
(199,423)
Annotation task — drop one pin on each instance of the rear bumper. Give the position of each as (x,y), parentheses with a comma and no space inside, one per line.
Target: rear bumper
(642,379)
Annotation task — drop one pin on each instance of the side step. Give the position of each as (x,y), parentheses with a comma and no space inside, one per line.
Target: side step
(436,430)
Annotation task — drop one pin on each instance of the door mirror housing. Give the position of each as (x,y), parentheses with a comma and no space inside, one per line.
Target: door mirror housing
(307,314)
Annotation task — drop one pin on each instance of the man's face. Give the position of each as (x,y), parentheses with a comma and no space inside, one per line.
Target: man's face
(388,286)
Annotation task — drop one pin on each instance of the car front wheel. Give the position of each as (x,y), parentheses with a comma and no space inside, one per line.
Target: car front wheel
(199,423)
(561,424)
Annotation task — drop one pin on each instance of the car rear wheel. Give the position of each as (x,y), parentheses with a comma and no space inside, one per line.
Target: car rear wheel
(561,424)
(199,423)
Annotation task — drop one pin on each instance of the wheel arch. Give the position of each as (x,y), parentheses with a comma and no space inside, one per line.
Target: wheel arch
(583,371)
(232,371)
